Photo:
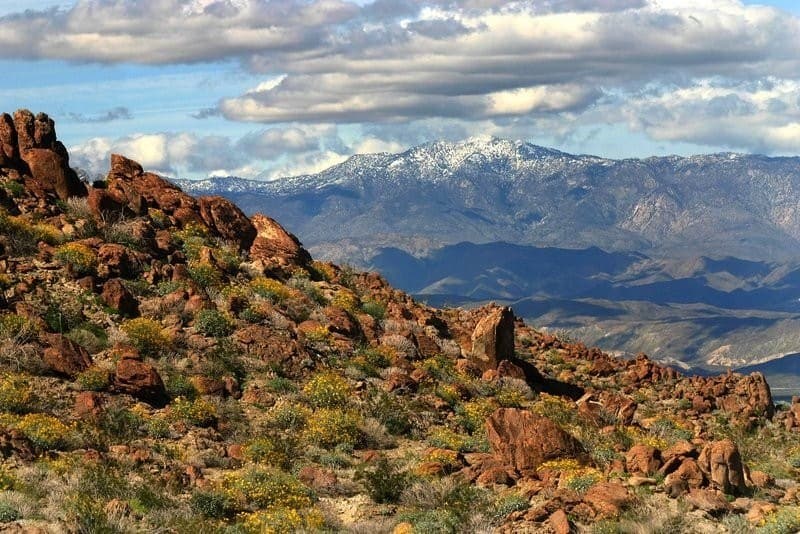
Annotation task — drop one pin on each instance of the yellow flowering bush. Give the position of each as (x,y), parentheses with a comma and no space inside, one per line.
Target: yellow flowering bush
(282,520)
(270,289)
(473,414)
(346,300)
(573,475)
(325,270)
(95,378)
(198,412)
(446,457)
(263,451)
(7,479)
(265,487)
(44,431)
(508,397)
(16,393)
(204,273)
(327,390)
(146,335)
(329,427)
(78,257)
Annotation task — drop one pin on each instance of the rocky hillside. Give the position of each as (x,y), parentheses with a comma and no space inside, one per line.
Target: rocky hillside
(689,259)
(171,365)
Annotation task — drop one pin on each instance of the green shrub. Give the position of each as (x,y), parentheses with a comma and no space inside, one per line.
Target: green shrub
(8,513)
(211,504)
(213,323)
(374,308)
(197,412)
(205,274)
(94,378)
(383,482)
(16,327)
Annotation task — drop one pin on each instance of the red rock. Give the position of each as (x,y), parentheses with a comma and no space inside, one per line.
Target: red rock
(608,499)
(51,173)
(506,369)
(493,476)
(559,522)
(493,339)
(643,459)
(721,463)
(277,249)
(225,219)
(140,380)
(88,404)
(65,357)
(317,478)
(430,469)
(707,500)
(687,476)
(524,440)
(9,149)
(116,260)
(117,296)
(761,479)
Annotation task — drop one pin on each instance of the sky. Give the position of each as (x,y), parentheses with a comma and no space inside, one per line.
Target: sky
(271,88)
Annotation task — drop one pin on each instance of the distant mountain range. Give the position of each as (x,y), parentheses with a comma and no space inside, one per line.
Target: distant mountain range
(694,259)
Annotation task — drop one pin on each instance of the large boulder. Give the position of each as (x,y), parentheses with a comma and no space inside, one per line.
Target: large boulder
(118,297)
(226,219)
(493,339)
(524,440)
(278,250)
(643,459)
(721,464)
(141,380)
(51,172)
(65,357)
(9,150)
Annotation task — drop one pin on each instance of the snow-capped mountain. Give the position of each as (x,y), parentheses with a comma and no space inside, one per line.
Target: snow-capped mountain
(487,189)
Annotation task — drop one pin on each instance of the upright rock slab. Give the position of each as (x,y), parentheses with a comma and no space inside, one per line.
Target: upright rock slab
(277,249)
(493,339)
(721,463)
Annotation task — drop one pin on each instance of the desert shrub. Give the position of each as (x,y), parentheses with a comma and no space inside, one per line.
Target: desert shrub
(785,521)
(95,378)
(224,359)
(17,394)
(205,274)
(63,313)
(147,336)
(346,300)
(92,339)
(327,390)
(286,415)
(78,208)
(442,505)
(669,431)
(377,310)
(283,520)
(77,257)
(22,236)
(211,504)
(121,232)
(197,412)
(472,414)
(192,238)
(306,286)
(213,323)
(178,384)
(280,384)
(263,450)
(120,423)
(8,513)
(507,504)
(44,432)
(392,413)
(270,289)
(15,189)
(329,427)
(16,327)
(447,439)
(383,481)
(265,487)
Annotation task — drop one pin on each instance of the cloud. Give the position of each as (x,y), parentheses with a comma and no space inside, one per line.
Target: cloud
(759,117)
(165,153)
(114,114)
(475,65)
